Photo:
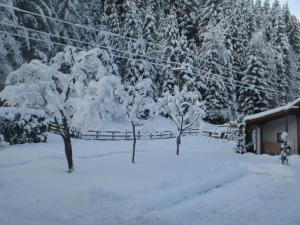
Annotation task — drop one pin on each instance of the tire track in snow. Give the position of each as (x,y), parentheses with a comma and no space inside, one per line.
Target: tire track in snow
(193,196)
(26,162)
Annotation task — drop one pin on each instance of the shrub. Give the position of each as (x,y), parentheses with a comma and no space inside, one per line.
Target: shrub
(19,126)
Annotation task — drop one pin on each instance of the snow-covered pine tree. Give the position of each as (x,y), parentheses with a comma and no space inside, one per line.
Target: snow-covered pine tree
(92,15)
(132,22)
(150,33)
(187,18)
(169,35)
(32,49)
(259,14)
(285,64)
(179,56)
(219,93)
(253,97)
(236,38)
(241,141)
(10,54)
(68,10)
(211,14)
(293,29)
(111,20)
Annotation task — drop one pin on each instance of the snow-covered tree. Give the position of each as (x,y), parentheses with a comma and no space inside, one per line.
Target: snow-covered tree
(33,48)
(253,97)
(68,10)
(132,23)
(188,18)
(184,109)
(97,84)
(211,14)
(180,57)
(241,141)
(139,106)
(150,33)
(10,54)
(38,86)
(111,20)
(285,64)
(219,94)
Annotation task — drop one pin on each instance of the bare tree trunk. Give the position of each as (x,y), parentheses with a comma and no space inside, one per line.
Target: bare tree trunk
(178,142)
(65,133)
(178,139)
(134,142)
(68,152)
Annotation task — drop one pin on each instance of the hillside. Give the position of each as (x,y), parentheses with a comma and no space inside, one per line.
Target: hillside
(242,56)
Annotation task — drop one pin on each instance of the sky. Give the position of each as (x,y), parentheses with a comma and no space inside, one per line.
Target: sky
(294,6)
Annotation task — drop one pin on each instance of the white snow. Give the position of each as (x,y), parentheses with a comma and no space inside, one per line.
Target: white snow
(207,184)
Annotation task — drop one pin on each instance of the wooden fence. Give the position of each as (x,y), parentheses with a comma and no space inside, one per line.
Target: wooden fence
(122,135)
(128,135)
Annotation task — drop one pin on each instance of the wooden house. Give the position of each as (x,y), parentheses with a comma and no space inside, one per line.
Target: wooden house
(264,129)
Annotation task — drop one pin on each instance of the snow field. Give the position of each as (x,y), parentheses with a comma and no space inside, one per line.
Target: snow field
(206,184)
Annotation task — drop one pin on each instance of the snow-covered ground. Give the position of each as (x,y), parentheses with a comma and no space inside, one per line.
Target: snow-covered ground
(206,185)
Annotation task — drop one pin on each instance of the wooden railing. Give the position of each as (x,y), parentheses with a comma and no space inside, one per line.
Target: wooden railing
(128,135)
(122,135)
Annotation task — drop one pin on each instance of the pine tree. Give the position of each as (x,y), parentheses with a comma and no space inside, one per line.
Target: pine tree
(219,106)
(285,65)
(10,54)
(259,12)
(253,97)
(211,14)
(111,20)
(188,18)
(241,141)
(132,22)
(31,48)
(68,10)
(150,33)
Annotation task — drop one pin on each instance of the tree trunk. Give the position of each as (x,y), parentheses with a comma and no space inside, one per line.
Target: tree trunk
(68,152)
(134,142)
(178,142)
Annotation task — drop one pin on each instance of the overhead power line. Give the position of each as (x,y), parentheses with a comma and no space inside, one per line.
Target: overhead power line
(135,39)
(226,83)
(118,50)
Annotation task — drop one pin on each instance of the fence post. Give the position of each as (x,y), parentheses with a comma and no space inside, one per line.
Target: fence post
(126,134)
(139,135)
(151,135)
(113,135)
(97,135)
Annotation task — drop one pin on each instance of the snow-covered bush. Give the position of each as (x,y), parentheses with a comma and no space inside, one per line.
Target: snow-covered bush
(138,105)
(19,126)
(184,108)
(284,147)
(241,141)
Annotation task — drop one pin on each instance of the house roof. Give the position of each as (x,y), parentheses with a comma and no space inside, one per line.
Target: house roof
(274,113)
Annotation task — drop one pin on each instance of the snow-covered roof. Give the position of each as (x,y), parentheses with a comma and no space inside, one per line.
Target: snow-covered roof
(291,105)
